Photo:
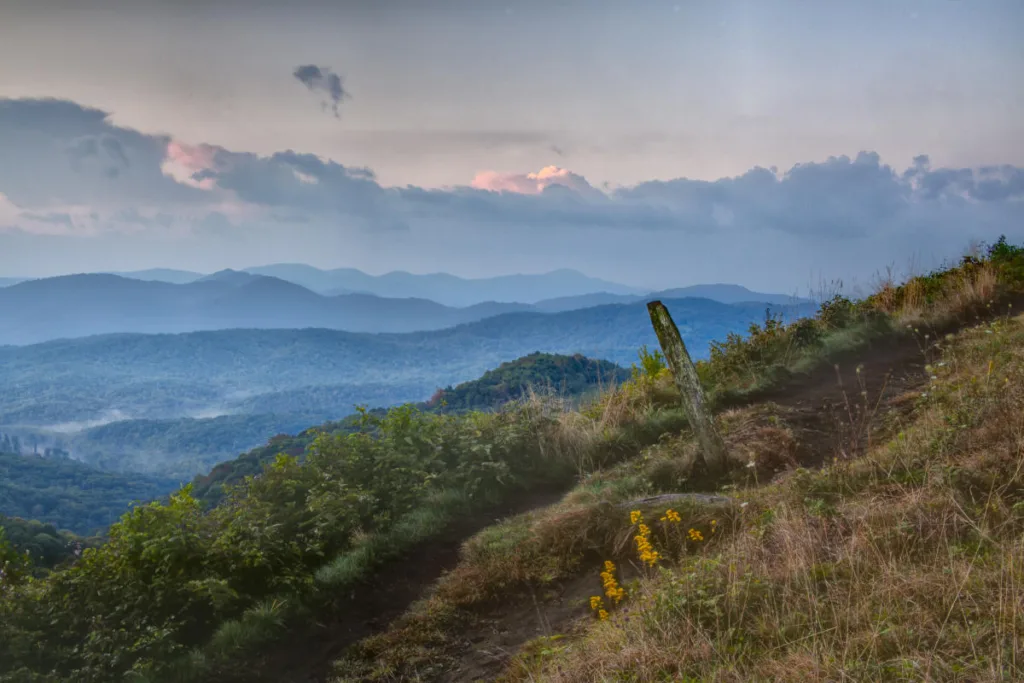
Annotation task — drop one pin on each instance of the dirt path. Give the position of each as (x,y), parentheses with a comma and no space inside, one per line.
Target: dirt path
(306,655)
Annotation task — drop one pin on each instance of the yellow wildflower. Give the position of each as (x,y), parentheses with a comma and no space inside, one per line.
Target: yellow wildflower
(696,535)
(671,516)
(644,549)
(611,586)
(635,517)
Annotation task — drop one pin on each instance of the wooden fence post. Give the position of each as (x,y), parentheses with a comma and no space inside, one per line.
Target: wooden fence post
(694,400)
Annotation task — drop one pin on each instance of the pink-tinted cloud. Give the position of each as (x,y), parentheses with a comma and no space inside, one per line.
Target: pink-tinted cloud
(183,162)
(531,183)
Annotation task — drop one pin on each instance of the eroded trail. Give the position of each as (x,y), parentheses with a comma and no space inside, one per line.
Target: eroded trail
(306,657)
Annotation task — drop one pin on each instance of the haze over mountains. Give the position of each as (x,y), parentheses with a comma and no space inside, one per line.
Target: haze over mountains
(167,301)
(258,382)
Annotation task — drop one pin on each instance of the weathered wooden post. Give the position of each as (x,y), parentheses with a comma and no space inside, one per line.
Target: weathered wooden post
(694,400)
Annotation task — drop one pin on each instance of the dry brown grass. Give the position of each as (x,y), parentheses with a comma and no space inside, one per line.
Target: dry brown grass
(962,291)
(907,564)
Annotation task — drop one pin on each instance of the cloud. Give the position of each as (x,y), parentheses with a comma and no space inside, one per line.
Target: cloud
(58,153)
(322,79)
(56,180)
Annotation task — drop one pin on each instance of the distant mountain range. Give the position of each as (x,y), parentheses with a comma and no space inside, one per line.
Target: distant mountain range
(450,290)
(75,306)
(444,288)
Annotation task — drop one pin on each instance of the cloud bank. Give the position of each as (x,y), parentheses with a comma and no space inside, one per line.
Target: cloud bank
(69,174)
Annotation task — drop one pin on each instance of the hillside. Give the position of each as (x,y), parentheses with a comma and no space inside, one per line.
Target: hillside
(722,293)
(171,275)
(571,377)
(865,526)
(45,545)
(69,494)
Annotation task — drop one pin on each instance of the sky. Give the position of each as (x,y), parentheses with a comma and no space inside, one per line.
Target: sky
(771,143)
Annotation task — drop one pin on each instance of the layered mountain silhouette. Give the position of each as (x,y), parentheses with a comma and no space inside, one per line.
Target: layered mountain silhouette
(75,306)
(444,288)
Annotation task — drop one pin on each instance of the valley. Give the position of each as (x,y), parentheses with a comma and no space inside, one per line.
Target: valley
(176,404)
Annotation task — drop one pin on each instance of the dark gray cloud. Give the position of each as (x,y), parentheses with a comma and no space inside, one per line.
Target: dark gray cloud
(305,183)
(323,80)
(57,152)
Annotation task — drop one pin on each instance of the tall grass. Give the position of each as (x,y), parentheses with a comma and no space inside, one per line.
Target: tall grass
(907,564)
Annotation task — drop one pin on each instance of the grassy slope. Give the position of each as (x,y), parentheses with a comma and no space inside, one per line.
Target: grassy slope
(902,560)
(906,564)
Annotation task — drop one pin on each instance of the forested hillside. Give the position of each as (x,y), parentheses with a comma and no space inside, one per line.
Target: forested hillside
(71,495)
(568,376)
(45,545)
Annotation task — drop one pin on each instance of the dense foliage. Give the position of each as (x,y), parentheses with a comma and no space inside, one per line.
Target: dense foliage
(170,574)
(45,546)
(572,377)
(210,488)
(69,494)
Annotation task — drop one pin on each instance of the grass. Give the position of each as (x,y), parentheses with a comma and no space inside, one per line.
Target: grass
(906,564)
